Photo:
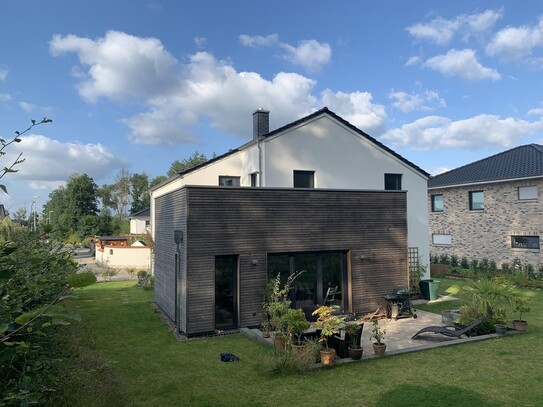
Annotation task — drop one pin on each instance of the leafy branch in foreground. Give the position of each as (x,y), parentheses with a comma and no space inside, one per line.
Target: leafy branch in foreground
(4,144)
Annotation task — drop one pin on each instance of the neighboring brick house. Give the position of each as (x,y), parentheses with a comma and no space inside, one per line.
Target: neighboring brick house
(490,209)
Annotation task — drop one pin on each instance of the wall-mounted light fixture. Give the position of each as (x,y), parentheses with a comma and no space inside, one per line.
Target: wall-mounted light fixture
(361,257)
(254,262)
(178,236)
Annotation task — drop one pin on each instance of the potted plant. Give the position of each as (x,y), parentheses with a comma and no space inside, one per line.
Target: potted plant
(295,325)
(329,325)
(355,349)
(521,306)
(500,328)
(378,334)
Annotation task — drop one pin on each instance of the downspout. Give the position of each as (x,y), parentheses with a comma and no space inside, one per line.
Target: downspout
(260,175)
(178,238)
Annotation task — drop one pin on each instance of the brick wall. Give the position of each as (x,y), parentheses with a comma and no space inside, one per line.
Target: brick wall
(487,233)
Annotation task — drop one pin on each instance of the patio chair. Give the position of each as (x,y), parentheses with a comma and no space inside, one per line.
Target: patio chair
(331,295)
(448,330)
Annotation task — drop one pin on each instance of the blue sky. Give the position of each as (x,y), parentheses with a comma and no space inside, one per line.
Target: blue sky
(139,84)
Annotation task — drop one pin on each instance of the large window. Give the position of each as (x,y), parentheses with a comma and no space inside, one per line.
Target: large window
(476,200)
(437,203)
(228,181)
(525,193)
(323,282)
(441,239)
(304,179)
(393,182)
(525,242)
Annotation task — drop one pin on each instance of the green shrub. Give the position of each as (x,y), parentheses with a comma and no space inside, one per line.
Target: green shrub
(464,263)
(78,280)
(454,260)
(145,280)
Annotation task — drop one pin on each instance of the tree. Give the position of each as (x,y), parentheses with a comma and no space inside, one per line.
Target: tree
(20,216)
(81,196)
(140,192)
(181,166)
(120,193)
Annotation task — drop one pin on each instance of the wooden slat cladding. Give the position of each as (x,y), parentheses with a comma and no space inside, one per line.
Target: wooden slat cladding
(252,222)
(170,215)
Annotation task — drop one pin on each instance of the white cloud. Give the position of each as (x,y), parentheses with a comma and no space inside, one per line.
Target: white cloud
(409,102)
(202,87)
(440,170)
(53,161)
(258,40)
(437,132)
(29,107)
(4,97)
(461,63)
(357,108)
(200,42)
(121,66)
(413,61)
(3,74)
(513,43)
(442,31)
(310,54)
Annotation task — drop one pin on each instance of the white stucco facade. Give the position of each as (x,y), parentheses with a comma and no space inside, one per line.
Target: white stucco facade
(340,156)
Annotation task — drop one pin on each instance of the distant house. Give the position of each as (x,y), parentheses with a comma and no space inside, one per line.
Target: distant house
(114,251)
(317,194)
(140,222)
(490,209)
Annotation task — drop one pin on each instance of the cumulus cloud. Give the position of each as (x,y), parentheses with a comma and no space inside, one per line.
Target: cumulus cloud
(200,41)
(357,108)
(203,86)
(29,107)
(413,61)
(310,54)
(3,74)
(4,97)
(441,31)
(437,132)
(53,161)
(513,43)
(462,63)
(409,102)
(258,40)
(120,66)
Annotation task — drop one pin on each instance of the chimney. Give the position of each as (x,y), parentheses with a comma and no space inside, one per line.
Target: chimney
(261,122)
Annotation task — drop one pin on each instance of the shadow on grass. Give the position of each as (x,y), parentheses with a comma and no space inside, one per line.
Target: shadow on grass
(432,395)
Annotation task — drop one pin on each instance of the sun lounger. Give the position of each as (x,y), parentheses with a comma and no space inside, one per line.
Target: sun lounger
(448,330)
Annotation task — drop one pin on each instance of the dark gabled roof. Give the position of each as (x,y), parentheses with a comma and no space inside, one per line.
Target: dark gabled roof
(519,162)
(322,111)
(141,214)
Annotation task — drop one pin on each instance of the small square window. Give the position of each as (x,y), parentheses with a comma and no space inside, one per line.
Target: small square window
(525,193)
(441,239)
(476,201)
(304,179)
(525,242)
(437,203)
(227,181)
(393,182)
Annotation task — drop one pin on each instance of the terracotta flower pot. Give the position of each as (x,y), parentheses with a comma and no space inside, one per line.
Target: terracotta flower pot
(520,325)
(328,356)
(379,348)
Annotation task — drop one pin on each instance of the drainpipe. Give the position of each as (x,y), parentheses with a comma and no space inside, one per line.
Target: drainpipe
(260,175)
(178,238)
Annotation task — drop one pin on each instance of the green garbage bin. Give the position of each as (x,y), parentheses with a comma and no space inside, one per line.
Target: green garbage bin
(429,289)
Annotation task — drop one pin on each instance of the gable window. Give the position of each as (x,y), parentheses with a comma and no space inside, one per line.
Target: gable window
(525,193)
(304,179)
(525,242)
(441,239)
(476,201)
(393,182)
(228,181)
(437,203)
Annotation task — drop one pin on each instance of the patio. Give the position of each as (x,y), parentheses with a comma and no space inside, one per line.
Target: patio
(398,336)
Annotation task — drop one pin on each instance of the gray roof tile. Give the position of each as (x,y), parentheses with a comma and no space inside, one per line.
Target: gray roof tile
(519,162)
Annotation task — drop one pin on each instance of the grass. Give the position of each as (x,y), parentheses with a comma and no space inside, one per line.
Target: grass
(123,355)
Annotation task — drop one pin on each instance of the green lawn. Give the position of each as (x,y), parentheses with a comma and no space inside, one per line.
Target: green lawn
(125,356)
